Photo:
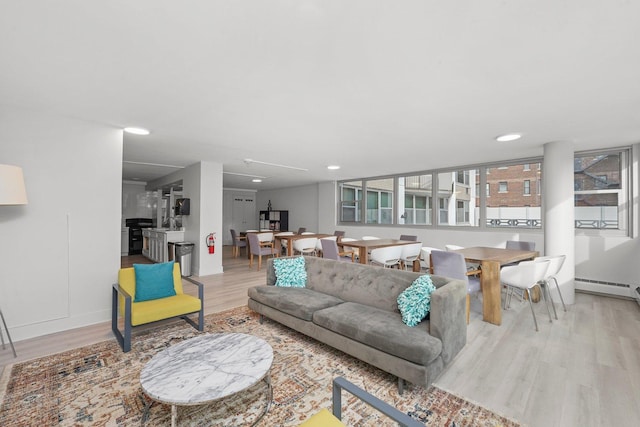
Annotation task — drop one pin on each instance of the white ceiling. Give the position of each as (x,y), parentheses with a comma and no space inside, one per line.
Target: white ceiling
(378,87)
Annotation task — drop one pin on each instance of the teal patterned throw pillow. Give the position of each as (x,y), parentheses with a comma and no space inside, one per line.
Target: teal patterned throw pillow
(290,272)
(415,301)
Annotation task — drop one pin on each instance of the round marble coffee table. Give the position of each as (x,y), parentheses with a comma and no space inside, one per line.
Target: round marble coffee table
(207,368)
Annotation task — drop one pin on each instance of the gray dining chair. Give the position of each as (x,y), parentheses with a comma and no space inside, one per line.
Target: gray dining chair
(521,245)
(237,243)
(330,251)
(453,265)
(256,248)
(409,237)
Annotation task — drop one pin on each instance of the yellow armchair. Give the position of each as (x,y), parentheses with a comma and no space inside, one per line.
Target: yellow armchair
(139,313)
(324,418)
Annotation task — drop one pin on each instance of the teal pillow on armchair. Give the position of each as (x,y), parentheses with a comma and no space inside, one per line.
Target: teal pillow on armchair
(154,281)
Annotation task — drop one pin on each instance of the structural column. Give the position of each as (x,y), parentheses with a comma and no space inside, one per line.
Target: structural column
(559,216)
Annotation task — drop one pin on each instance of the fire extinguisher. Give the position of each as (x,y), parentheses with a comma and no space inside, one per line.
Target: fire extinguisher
(211,242)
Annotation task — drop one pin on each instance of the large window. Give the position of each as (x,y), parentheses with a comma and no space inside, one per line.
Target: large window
(350,201)
(457,197)
(380,201)
(511,195)
(600,190)
(514,203)
(414,199)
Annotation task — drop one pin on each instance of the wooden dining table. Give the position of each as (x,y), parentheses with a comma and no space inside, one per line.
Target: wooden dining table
(290,238)
(364,246)
(490,260)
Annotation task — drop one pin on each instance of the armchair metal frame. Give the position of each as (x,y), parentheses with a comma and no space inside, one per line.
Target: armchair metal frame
(124,339)
(340,384)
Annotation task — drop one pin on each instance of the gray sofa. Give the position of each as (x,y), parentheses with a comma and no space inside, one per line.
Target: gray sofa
(353,308)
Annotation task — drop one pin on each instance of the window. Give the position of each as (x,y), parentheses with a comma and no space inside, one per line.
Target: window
(457,197)
(350,201)
(600,190)
(379,201)
(511,196)
(516,208)
(415,192)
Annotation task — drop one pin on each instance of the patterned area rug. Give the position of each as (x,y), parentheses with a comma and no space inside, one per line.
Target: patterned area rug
(98,385)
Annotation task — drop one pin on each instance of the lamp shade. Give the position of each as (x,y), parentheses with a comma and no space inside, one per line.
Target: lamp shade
(12,191)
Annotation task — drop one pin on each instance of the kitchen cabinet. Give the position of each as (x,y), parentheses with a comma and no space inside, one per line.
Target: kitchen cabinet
(155,243)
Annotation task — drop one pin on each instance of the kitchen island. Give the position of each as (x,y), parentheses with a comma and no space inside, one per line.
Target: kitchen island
(155,243)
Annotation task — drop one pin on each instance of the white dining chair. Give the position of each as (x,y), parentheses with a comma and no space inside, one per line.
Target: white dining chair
(306,246)
(265,237)
(387,257)
(425,257)
(525,276)
(555,265)
(410,253)
(283,243)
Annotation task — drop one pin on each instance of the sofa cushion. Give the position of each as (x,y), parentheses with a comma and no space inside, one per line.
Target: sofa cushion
(153,281)
(298,302)
(415,301)
(163,308)
(290,272)
(382,330)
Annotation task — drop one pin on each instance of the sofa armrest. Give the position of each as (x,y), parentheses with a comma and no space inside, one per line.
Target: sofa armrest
(448,317)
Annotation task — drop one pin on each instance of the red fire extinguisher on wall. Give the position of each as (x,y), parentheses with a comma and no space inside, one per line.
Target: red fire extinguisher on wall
(211,242)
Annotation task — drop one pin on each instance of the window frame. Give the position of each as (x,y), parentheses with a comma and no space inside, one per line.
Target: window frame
(433,200)
(625,192)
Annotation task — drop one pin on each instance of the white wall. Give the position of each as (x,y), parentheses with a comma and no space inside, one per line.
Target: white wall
(202,183)
(301,202)
(229,221)
(61,252)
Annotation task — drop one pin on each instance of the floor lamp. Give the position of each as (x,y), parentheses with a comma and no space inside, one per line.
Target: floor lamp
(12,192)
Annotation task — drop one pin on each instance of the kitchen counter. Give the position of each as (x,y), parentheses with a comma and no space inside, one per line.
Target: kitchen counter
(155,242)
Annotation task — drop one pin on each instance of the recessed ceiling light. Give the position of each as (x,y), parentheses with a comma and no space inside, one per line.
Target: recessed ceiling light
(256,180)
(333,167)
(136,131)
(509,137)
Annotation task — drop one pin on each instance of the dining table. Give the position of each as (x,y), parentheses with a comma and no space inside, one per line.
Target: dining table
(290,238)
(364,246)
(490,260)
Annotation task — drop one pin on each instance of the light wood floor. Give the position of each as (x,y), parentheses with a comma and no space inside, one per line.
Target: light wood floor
(581,370)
